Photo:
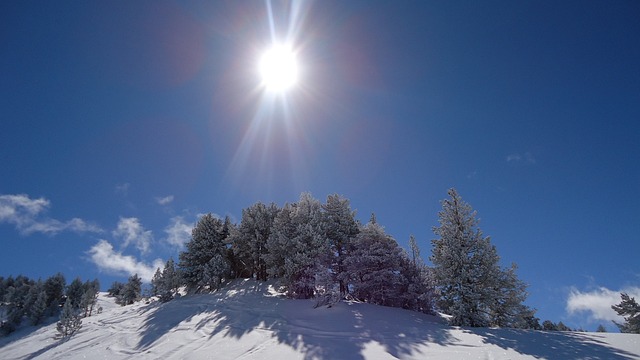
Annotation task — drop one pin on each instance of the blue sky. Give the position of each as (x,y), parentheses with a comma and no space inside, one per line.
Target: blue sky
(121,122)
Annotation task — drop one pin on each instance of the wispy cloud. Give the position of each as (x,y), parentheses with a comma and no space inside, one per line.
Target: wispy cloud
(111,261)
(527,158)
(597,303)
(122,188)
(130,231)
(26,215)
(165,200)
(178,231)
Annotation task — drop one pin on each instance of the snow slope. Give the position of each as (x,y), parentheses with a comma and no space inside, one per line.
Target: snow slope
(248,320)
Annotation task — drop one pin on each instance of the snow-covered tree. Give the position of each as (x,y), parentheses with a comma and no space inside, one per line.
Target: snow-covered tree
(131,291)
(36,303)
(165,283)
(249,240)
(54,287)
(296,246)
(372,267)
(207,246)
(630,310)
(89,297)
(70,321)
(472,287)
(340,228)
(74,293)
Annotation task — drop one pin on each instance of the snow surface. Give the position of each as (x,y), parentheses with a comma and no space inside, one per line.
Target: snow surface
(249,320)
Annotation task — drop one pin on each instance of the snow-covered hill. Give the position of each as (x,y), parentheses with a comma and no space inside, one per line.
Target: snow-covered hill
(248,320)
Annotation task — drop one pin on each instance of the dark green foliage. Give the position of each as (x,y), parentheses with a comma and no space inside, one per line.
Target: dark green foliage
(473,288)
(630,310)
(116,289)
(54,287)
(204,263)
(74,293)
(131,291)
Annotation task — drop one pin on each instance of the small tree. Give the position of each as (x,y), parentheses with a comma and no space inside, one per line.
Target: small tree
(131,291)
(601,328)
(70,321)
(630,310)
(548,325)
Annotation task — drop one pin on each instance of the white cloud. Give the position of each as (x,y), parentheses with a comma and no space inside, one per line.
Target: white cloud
(597,303)
(178,231)
(131,232)
(164,200)
(527,157)
(26,215)
(122,188)
(111,261)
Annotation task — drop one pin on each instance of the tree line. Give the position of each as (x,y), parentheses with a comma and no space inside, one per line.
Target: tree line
(319,250)
(34,301)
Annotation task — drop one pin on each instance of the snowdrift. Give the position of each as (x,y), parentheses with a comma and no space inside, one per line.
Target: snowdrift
(248,320)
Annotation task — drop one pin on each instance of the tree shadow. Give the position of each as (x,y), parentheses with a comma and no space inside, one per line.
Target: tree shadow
(338,332)
(552,345)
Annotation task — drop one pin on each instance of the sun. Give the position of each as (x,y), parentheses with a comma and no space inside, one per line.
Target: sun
(279,68)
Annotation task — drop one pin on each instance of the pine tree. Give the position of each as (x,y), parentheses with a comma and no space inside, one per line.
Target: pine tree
(249,240)
(340,228)
(548,325)
(70,321)
(372,266)
(630,310)
(131,291)
(207,245)
(601,328)
(170,281)
(472,286)
(296,245)
(54,287)
(90,296)
(74,293)
(156,283)
(465,264)
(36,303)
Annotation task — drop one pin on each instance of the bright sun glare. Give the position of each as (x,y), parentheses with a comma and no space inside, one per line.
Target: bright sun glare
(279,68)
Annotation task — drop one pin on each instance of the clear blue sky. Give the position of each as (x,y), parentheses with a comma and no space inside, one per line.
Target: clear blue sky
(120,122)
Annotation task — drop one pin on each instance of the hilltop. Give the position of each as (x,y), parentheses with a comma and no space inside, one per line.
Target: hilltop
(250,320)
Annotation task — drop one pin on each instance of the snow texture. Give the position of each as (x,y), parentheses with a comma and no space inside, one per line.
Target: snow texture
(249,320)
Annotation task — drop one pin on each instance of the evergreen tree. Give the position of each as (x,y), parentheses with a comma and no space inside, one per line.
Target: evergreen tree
(116,289)
(156,283)
(54,287)
(74,293)
(601,328)
(249,240)
(340,228)
(36,303)
(296,246)
(90,296)
(465,265)
(372,267)
(204,263)
(131,291)
(70,321)
(472,286)
(630,310)
(548,325)
(417,289)
(170,281)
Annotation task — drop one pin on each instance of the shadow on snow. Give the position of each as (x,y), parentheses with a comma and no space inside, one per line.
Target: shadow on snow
(343,331)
